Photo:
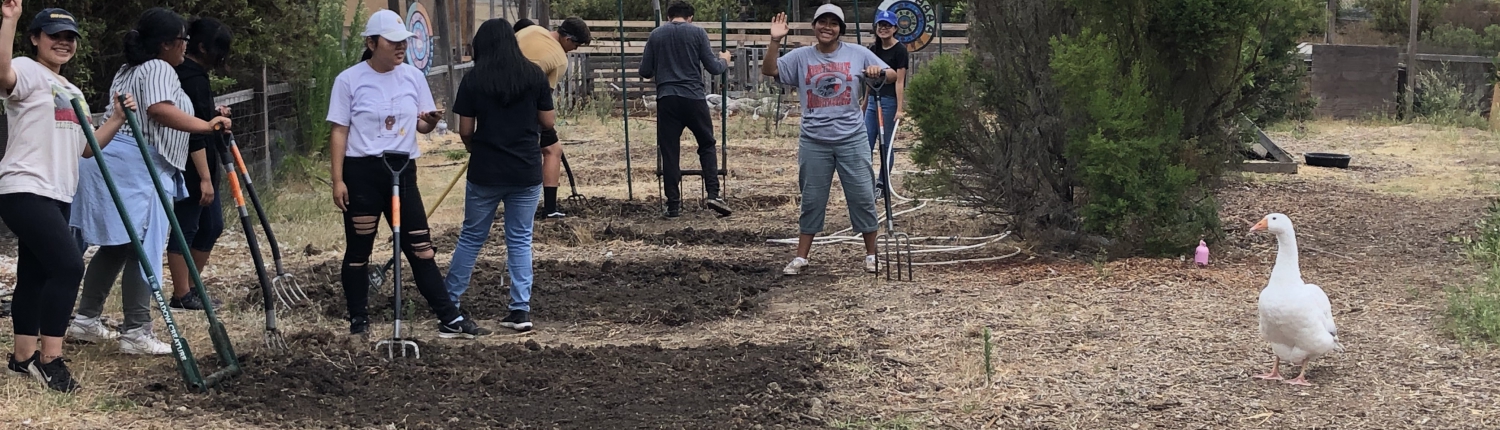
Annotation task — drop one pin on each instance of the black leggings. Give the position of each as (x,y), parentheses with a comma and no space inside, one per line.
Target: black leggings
(49,265)
(369,184)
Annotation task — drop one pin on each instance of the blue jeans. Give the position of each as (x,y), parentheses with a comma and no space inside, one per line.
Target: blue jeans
(480,203)
(888,109)
(816,163)
(872,127)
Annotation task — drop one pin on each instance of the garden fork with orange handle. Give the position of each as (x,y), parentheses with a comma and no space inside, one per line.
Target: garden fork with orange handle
(397,162)
(284,285)
(377,274)
(273,337)
(895,245)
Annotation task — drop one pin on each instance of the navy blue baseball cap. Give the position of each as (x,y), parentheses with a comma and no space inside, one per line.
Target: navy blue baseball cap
(53,21)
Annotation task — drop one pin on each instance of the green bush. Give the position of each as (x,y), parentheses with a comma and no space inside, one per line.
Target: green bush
(1130,158)
(1473,314)
(271,33)
(932,98)
(1392,16)
(1443,99)
(1452,39)
(335,51)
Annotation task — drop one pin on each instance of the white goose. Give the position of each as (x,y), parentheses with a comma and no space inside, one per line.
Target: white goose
(1295,317)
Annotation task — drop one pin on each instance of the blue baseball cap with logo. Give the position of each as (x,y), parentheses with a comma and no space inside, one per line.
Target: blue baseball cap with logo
(53,21)
(886,17)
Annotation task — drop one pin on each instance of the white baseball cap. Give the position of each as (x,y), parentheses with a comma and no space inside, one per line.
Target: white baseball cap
(388,25)
(835,10)
(829,8)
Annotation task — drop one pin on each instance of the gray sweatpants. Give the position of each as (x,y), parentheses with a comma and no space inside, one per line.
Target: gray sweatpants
(135,295)
(816,162)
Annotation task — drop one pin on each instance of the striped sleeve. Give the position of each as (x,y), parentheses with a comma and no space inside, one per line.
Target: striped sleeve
(156,82)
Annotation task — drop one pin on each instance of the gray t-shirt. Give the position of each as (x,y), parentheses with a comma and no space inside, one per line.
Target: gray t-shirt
(827,85)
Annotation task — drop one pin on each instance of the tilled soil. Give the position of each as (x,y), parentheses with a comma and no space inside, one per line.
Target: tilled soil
(669,292)
(517,386)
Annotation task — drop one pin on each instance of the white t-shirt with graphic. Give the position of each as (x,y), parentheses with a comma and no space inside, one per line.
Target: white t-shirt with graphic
(46,139)
(380,109)
(827,84)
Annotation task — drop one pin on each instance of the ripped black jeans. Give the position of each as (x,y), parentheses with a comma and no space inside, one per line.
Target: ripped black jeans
(369,183)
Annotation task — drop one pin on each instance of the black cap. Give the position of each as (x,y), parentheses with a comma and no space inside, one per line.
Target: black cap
(574,28)
(53,21)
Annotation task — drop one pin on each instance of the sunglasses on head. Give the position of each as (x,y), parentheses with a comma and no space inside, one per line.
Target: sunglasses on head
(574,40)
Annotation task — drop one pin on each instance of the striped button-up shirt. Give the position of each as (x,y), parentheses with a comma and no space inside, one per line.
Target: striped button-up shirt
(155,82)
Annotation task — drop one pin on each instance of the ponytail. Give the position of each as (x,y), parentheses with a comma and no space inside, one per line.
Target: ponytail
(369,52)
(157,26)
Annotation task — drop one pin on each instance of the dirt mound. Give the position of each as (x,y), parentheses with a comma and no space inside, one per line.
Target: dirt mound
(517,385)
(689,236)
(670,292)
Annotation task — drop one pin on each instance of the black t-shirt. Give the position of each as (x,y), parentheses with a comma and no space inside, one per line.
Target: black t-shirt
(505,149)
(896,57)
(195,83)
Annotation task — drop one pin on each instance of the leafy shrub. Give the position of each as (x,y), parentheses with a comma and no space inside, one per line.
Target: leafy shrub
(1130,158)
(279,43)
(1453,39)
(1473,314)
(1391,16)
(1443,99)
(1112,134)
(336,50)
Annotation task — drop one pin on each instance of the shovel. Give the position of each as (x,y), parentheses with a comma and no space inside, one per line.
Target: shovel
(216,331)
(273,337)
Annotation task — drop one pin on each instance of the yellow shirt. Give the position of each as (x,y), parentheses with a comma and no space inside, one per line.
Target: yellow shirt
(541,48)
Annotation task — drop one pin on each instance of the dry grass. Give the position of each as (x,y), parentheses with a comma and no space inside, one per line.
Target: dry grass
(1126,344)
(1407,160)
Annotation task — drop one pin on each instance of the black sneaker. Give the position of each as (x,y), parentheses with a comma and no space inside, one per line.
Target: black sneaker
(674,210)
(359,325)
(718,206)
(463,329)
(19,368)
(518,320)
(55,374)
(192,302)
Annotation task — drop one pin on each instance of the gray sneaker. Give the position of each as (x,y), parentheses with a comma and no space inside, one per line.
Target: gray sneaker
(718,206)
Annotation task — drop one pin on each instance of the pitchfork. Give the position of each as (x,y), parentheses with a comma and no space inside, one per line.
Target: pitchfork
(401,160)
(273,337)
(895,245)
(285,286)
(575,200)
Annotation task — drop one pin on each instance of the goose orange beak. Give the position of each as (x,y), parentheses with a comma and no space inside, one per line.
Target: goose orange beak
(1259,226)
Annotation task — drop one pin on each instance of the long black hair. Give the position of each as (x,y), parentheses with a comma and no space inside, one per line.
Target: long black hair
(157,26)
(210,41)
(369,53)
(500,70)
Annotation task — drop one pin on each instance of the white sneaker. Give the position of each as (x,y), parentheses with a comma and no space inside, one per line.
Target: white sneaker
(90,330)
(141,341)
(870,264)
(795,267)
